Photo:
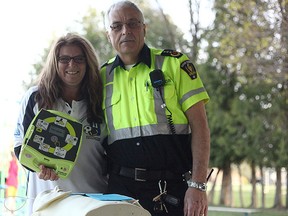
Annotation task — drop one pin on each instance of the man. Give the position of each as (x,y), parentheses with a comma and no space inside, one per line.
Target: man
(154,108)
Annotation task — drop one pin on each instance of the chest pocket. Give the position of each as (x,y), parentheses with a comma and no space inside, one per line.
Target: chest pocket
(112,103)
(168,91)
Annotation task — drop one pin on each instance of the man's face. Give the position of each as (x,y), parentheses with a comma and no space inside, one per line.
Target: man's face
(127,31)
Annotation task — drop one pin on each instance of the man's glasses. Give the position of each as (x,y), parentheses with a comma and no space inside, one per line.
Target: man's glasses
(80,59)
(132,24)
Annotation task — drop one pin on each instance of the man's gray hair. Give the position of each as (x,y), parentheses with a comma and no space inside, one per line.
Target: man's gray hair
(119,5)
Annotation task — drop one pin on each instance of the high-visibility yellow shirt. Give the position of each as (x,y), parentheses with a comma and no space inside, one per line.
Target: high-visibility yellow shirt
(133,108)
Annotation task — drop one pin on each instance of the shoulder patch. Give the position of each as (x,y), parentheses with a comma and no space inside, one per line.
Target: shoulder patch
(172,53)
(189,68)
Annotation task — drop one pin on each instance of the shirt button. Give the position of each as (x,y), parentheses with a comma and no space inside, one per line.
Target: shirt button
(137,144)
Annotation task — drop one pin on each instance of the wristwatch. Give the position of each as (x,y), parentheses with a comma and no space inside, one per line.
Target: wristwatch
(198,185)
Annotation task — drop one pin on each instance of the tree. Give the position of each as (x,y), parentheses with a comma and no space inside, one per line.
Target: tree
(244,52)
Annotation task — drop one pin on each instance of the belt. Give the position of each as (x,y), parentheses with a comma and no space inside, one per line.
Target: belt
(141,174)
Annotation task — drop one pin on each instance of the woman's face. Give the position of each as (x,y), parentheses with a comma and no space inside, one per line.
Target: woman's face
(72,65)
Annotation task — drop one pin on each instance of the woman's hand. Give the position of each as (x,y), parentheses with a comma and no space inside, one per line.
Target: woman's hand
(47,174)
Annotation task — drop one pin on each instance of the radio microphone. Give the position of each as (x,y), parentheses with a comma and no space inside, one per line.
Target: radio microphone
(157,78)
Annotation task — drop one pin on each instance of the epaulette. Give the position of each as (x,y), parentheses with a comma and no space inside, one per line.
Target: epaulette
(172,53)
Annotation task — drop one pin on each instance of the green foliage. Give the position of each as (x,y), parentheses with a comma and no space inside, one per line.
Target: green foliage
(248,83)
(241,82)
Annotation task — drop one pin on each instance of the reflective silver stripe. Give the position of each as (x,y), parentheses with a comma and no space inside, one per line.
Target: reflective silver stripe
(158,103)
(108,98)
(159,61)
(191,93)
(148,130)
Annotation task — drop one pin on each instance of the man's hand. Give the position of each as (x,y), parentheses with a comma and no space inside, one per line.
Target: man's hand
(195,203)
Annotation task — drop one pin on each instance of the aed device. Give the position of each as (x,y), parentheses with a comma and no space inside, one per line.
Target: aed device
(53,139)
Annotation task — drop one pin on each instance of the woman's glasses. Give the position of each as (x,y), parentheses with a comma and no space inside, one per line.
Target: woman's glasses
(80,59)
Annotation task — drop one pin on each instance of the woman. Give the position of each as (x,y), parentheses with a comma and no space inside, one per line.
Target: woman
(69,83)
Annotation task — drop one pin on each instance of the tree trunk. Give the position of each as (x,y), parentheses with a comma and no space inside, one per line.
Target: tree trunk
(168,27)
(195,27)
(262,187)
(212,191)
(286,188)
(226,189)
(278,194)
(240,186)
(253,182)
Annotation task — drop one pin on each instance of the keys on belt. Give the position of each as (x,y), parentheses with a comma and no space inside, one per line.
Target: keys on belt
(163,198)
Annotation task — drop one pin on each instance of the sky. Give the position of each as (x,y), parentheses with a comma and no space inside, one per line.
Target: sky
(27,27)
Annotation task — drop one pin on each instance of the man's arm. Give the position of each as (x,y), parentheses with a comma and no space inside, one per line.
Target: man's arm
(200,141)
(195,202)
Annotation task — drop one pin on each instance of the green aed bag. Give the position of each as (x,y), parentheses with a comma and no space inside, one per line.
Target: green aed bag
(53,139)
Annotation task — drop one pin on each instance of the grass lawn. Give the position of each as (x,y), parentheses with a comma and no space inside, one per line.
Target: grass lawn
(261,213)
(269,200)
(246,193)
